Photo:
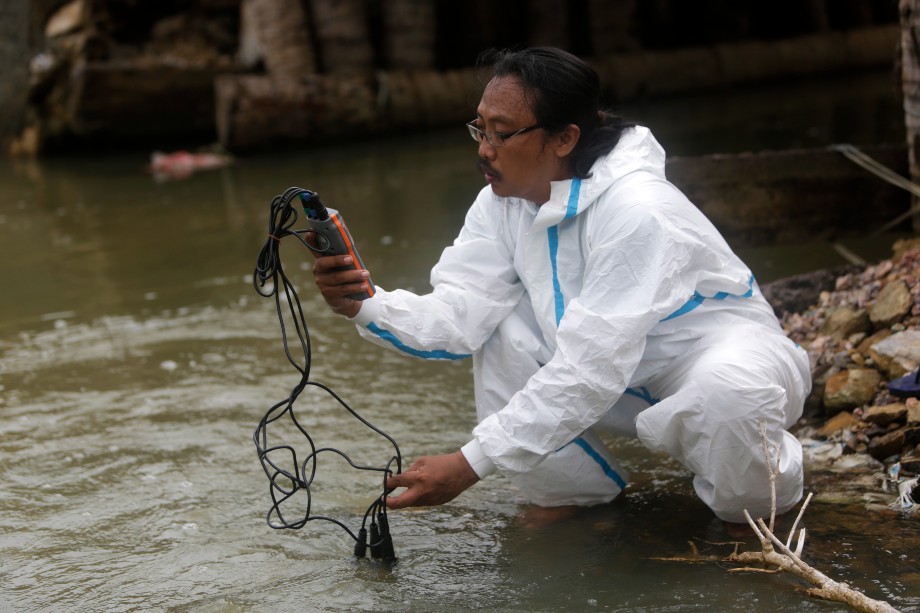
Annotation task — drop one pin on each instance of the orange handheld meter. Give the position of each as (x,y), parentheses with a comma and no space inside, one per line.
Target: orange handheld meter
(331,237)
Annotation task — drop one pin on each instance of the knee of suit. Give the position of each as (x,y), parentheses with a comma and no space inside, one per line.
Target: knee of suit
(746,486)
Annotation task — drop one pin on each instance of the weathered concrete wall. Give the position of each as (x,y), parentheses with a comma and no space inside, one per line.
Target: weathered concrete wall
(795,195)
(258,111)
(15,50)
(114,70)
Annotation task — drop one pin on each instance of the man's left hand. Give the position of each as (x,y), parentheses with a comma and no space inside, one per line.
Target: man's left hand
(432,480)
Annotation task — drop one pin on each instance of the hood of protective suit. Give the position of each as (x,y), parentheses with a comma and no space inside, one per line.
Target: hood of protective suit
(637,150)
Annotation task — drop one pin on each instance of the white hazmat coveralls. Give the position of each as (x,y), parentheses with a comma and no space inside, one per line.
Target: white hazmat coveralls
(615,305)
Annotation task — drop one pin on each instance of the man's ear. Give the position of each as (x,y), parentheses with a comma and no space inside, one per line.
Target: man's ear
(567,139)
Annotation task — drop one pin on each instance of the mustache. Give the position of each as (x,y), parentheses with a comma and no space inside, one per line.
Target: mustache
(486,168)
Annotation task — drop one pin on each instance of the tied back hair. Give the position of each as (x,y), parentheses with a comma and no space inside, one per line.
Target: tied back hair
(562,89)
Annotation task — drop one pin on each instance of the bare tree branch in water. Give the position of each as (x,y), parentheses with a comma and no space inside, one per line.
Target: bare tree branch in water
(775,553)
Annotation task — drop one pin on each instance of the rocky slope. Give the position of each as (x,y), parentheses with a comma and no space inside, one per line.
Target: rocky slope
(861,432)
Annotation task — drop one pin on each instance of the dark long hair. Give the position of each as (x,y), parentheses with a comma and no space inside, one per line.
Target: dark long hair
(562,89)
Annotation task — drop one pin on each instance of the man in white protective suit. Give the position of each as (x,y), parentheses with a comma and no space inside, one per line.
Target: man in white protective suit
(592,295)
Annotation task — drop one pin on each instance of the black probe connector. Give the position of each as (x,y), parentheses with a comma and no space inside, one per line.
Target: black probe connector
(361,543)
(376,553)
(386,546)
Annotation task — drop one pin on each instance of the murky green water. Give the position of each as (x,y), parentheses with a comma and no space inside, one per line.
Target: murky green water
(136,360)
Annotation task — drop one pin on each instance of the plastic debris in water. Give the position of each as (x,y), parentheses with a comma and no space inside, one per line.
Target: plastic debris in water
(182,164)
(905,500)
(894,471)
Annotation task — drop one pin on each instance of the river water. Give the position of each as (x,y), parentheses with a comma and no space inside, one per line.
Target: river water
(136,360)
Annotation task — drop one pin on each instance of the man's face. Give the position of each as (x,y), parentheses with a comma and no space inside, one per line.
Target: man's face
(525,165)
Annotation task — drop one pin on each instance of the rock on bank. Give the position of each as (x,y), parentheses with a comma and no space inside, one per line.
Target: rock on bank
(861,333)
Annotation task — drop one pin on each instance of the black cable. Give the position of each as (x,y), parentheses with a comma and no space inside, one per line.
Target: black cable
(286,475)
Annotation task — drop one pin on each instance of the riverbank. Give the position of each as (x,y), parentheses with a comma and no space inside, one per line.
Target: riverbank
(861,438)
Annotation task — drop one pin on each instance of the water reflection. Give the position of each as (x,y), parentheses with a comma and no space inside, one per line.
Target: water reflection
(136,360)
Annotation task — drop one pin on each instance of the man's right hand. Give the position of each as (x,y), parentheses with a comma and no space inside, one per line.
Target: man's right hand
(336,285)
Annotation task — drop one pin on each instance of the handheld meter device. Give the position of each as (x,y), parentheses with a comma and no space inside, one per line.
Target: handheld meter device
(331,237)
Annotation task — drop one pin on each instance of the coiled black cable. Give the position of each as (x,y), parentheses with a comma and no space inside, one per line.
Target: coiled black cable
(287,476)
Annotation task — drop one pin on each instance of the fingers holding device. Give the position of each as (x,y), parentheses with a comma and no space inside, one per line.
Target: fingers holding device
(329,236)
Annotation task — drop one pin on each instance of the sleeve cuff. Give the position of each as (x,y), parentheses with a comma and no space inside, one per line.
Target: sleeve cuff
(480,462)
(370,309)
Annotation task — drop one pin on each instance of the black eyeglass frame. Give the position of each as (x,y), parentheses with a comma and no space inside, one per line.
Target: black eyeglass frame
(501,137)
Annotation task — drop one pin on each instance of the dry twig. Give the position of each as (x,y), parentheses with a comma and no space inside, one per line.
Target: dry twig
(778,554)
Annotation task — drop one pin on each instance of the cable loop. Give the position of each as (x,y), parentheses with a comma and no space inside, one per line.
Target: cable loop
(289,476)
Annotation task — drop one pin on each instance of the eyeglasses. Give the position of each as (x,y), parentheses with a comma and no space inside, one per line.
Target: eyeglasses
(496,139)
